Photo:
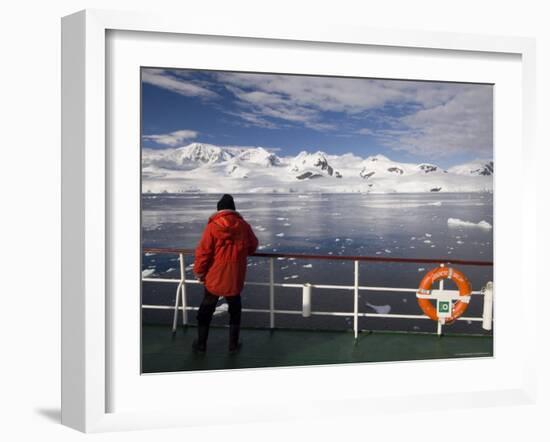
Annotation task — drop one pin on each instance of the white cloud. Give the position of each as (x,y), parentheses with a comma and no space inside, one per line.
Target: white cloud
(365,131)
(175,83)
(305,100)
(173,138)
(463,124)
(427,118)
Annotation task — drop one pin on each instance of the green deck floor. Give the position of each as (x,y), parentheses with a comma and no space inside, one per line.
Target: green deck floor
(283,348)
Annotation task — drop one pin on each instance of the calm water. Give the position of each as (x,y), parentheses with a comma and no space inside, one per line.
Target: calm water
(391,225)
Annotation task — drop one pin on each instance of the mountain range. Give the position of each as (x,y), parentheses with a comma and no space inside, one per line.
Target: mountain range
(200,167)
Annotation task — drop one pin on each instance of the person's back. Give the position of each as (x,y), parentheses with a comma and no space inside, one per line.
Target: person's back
(220,262)
(220,257)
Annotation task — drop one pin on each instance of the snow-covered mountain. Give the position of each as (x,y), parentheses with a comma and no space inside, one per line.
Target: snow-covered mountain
(480,167)
(312,165)
(210,168)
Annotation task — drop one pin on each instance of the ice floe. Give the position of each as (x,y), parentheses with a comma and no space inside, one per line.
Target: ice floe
(456,222)
(221,309)
(147,272)
(380,309)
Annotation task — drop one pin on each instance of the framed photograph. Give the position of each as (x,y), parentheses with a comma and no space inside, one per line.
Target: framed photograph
(341,255)
(340,202)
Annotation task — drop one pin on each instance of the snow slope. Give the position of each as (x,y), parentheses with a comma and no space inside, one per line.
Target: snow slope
(200,167)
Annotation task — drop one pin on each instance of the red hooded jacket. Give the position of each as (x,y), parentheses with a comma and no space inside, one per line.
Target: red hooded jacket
(220,256)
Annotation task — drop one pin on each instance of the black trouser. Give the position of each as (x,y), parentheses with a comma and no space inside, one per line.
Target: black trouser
(208,305)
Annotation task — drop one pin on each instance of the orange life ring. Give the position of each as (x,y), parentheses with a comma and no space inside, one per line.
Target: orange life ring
(425,288)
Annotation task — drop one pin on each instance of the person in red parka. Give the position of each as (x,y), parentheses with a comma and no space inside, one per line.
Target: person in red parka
(220,264)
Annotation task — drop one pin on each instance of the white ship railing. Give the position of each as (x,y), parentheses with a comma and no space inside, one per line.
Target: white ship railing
(180,303)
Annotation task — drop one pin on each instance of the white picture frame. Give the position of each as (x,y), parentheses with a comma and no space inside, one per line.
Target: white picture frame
(86,315)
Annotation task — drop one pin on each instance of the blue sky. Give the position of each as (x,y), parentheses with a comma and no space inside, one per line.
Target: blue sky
(409,121)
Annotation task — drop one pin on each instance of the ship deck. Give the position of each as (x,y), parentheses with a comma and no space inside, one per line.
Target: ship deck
(162,352)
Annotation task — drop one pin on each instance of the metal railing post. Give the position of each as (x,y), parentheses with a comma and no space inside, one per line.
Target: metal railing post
(488,307)
(356,298)
(175,319)
(271,294)
(439,324)
(183,290)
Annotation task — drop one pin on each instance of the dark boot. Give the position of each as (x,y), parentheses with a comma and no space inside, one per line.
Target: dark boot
(199,345)
(234,344)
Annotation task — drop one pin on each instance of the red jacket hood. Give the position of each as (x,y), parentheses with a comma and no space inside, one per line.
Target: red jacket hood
(227,224)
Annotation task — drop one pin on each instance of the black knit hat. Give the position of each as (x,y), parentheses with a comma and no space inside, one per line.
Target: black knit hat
(226,203)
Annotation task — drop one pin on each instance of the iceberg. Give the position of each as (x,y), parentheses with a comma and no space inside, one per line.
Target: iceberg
(456,222)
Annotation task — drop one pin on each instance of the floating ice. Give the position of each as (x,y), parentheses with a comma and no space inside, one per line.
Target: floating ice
(280,259)
(284,268)
(282,219)
(427,241)
(387,250)
(280,234)
(435,203)
(221,309)
(307,266)
(456,222)
(380,309)
(171,269)
(287,224)
(293,276)
(378,253)
(428,235)
(337,239)
(460,242)
(150,254)
(147,272)
(421,269)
